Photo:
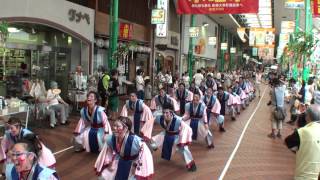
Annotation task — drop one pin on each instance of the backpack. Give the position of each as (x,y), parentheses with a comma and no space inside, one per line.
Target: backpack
(101,89)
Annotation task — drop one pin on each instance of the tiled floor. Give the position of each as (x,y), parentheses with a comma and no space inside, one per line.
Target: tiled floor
(258,157)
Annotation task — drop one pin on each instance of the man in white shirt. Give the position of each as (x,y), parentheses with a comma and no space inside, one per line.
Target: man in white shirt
(57,104)
(258,75)
(140,84)
(198,78)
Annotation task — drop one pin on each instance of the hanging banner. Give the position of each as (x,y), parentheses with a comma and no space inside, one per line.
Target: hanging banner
(217,7)
(316,7)
(162,29)
(241,32)
(294,4)
(262,37)
(125,31)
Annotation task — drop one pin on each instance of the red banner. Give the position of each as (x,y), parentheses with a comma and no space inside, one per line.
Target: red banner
(217,6)
(316,8)
(125,31)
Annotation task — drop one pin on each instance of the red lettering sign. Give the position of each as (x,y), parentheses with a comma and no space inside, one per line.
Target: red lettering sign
(125,31)
(217,6)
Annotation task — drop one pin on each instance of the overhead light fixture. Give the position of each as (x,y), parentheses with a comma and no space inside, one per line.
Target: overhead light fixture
(13,30)
(205,24)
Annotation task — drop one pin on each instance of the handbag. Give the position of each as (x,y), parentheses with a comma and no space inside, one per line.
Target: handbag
(278,112)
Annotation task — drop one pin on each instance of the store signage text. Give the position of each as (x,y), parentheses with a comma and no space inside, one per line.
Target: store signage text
(217,6)
(224,46)
(294,4)
(158,16)
(212,41)
(316,7)
(233,50)
(78,16)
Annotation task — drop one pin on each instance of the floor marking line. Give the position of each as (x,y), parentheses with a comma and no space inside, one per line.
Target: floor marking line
(66,149)
(226,167)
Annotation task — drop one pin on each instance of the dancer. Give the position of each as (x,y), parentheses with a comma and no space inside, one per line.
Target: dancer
(196,117)
(92,127)
(162,99)
(223,99)
(175,136)
(124,155)
(25,162)
(183,96)
(141,116)
(212,103)
(14,134)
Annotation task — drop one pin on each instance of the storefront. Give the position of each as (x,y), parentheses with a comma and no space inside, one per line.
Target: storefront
(47,40)
(167,53)
(205,39)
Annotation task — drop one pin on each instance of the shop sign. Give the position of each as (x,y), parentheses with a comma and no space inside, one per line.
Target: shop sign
(158,16)
(254,51)
(194,32)
(212,41)
(287,26)
(294,4)
(78,16)
(217,6)
(125,31)
(162,29)
(224,46)
(233,50)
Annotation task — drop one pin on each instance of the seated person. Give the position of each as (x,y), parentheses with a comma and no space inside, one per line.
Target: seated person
(57,104)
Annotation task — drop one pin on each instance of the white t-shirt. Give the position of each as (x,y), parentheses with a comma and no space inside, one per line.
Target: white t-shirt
(55,99)
(198,77)
(139,83)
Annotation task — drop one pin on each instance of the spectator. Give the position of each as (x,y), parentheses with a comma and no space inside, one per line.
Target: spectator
(277,99)
(198,78)
(140,84)
(305,142)
(186,79)
(57,104)
(114,94)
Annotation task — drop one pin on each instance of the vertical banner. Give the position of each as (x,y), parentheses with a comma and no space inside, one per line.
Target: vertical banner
(217,6)
(162,29)
(316,7)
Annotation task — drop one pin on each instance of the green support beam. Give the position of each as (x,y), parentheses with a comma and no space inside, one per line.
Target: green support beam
(191,46)
(308,30)
(114,32)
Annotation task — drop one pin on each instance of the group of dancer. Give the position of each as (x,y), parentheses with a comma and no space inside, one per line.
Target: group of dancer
(185,115)
(125,147)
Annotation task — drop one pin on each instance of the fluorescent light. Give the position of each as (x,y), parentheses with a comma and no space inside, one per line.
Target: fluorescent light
(13,30)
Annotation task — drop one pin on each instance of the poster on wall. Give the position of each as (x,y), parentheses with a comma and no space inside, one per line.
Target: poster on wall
(294,4)
(262,37)
(125,31)
(217,7)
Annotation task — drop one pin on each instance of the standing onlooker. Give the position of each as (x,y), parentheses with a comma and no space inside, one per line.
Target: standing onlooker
(258,76)
(113,102)
(103,86)
(277,99)
(140,84)
(186,80)
(305,142)
(198,78)
(147,92)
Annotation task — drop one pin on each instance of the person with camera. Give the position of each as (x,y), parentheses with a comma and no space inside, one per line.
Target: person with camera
(278,115)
